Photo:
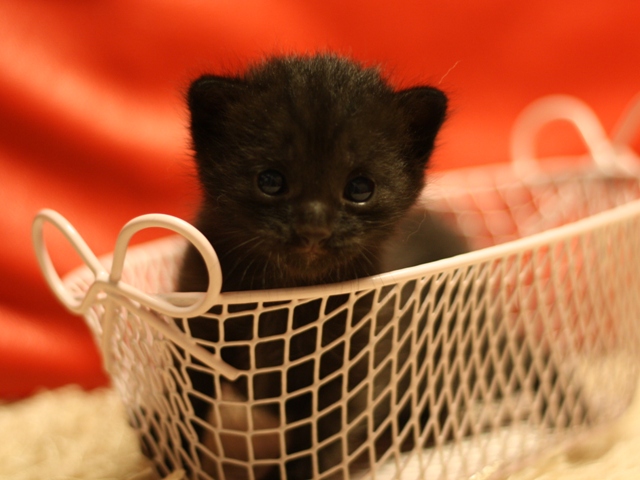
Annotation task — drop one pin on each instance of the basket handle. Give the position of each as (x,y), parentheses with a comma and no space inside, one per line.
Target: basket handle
(109,284)
(77,306)
(607,155)
(627,126)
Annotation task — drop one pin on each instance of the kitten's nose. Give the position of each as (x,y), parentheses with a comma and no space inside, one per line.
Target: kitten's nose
(313,224)
(313,234)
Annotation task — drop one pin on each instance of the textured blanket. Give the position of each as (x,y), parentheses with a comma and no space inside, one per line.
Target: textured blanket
(72,434)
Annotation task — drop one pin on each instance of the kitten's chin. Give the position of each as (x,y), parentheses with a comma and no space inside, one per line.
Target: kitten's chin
(313,265)
(309,261)
(311,253)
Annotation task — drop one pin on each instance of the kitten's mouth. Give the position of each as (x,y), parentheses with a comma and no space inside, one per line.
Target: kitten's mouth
(315,260)
(312,250)
(309,255)
(315,263)
(311,245)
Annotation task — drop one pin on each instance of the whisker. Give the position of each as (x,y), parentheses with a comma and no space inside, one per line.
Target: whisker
(264,270)
(246,270)
(252,239)
(246,255)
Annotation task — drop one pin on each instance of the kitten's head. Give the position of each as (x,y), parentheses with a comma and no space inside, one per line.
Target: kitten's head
(309,162)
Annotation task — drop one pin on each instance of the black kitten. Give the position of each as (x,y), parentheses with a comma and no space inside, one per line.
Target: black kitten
(309,167)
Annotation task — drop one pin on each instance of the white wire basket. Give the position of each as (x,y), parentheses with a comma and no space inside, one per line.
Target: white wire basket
(466,367)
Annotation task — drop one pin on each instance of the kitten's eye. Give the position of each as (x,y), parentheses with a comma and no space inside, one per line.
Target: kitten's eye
(271,182)
(359,189)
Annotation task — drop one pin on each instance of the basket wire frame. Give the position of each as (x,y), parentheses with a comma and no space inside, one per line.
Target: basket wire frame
(467,366)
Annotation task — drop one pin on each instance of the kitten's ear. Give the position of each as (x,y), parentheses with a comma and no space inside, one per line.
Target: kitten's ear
(209,98)
(425,108)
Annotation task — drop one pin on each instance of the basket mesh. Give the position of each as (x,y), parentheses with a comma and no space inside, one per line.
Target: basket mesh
(430,373)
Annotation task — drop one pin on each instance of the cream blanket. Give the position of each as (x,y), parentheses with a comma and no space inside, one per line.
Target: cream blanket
(72,434)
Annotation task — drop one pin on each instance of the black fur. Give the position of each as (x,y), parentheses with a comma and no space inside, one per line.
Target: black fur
(320,121)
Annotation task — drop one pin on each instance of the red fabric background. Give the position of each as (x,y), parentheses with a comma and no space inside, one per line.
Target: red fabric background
(92,121)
